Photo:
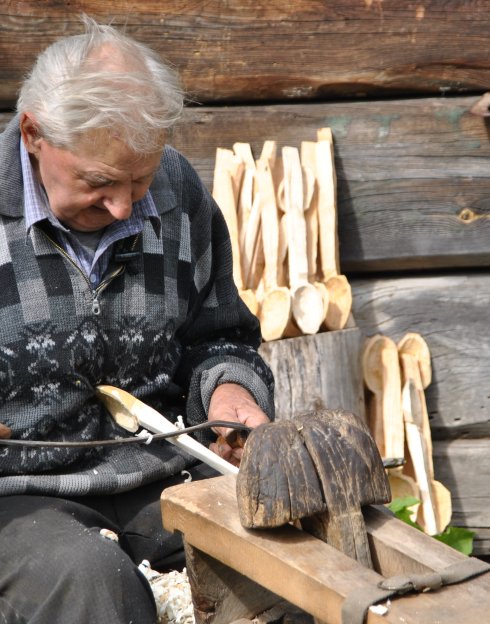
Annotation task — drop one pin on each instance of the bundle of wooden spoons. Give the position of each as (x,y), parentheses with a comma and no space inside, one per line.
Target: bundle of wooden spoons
(281,212)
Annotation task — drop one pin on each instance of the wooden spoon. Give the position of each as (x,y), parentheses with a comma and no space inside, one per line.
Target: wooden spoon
(276,308)
(416,369)
(308,162)
(307,301)
(381,372)
(130,413)
(223,192)
(339,290)
(249,225)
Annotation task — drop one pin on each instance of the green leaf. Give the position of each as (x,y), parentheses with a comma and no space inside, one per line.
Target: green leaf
(458,538)
(400,504)
(401,508)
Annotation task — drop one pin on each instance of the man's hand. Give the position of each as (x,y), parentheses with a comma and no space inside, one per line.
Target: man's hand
(232,402)
(5,432)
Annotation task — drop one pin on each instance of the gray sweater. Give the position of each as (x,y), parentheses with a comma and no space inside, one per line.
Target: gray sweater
(171,327)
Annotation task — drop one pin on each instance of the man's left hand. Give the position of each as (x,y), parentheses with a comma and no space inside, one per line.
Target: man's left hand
(233,403)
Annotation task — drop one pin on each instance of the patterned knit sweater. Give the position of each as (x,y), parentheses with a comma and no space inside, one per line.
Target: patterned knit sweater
(170,327)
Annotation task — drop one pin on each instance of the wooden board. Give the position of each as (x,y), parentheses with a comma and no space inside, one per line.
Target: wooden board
(310,573)
(247,50)
(322,369)
(451,312)
(413,175)
(464,467)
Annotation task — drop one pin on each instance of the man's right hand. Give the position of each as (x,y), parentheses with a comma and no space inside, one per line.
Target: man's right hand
(5,432)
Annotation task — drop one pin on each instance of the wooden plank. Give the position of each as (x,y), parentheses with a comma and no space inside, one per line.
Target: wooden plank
(464,467)
(322,369)
(310,573)
(413,175)
(451,312)
(244,50)
(220,594)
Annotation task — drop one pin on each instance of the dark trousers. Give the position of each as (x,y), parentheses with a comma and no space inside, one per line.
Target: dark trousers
(56,567)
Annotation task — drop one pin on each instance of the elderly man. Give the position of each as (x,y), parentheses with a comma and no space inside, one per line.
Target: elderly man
(115,268)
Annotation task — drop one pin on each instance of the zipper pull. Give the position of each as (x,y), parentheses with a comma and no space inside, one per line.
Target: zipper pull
(96,309)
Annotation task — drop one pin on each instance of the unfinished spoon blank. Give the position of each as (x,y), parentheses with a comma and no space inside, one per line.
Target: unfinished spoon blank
(307,302)
(339,289)
(381,371)
(130,413)
(414,355)
(225,171)
(276,309)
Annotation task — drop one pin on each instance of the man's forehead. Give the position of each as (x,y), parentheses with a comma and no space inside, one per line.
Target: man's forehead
(101,149)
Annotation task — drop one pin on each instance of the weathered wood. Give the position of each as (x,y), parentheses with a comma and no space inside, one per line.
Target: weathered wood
(451,312)
(310,573)
(464,468)
(413,175)
(247,50)
(323,369)
(352,475)
(319,468)
(219,593)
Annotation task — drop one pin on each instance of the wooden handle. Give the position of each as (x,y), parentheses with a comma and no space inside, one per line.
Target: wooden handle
(308,162)
(296,226)
(270,222)
(223,194)
(327,204)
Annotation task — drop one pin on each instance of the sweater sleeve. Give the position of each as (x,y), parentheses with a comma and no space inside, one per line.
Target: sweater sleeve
(220,336)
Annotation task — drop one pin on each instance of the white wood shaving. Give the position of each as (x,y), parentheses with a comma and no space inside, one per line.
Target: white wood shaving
(108,534)
(380,609)
(172,594)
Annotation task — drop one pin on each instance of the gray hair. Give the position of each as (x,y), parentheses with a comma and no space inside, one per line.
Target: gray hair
(130,92)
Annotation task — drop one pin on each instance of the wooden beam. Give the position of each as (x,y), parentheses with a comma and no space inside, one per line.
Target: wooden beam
(464,467)
(244,50)
(313,575)
(413,175)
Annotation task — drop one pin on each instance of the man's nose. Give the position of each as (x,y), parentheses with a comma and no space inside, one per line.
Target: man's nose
(119,203)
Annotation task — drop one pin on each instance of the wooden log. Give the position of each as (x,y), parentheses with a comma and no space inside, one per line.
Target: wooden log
(450,312)
(464,468)
(313,575)
(323,369)
(413,175)
(413,179)
(247,50)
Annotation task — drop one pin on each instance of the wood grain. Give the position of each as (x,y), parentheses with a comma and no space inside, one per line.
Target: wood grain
(464,468)
(319,370)
(243,50)
(312,574)
(413,175)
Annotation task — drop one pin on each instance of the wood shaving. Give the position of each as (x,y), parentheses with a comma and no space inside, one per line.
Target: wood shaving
(172,594)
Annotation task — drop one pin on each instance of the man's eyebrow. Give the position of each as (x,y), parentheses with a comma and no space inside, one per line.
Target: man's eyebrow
(94,175)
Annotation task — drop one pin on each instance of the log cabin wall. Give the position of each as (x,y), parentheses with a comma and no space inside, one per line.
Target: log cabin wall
(395,80)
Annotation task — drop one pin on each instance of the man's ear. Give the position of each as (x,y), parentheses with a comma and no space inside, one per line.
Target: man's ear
(29,131)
